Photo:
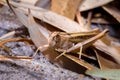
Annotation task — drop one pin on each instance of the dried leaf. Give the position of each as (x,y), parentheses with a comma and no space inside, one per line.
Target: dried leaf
(52,18)
(51,53)
(106,61)
(31,2)
(81,62)
(101,20)
(44,4)
(66,8)
(33,28)
(108,49)
(45,15)
(108,73)
(90,4)
(113,10)
(35,33)
(80,18)
(82,21)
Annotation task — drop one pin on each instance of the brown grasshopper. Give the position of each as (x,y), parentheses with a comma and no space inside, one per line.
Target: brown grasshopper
(69,42)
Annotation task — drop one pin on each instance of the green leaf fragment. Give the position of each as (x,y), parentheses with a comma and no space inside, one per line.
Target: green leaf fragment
(108,73)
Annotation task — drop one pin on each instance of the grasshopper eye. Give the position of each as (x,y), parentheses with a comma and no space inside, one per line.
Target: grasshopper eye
(54,39)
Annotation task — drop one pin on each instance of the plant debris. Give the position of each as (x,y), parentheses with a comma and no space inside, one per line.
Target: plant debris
(67,36)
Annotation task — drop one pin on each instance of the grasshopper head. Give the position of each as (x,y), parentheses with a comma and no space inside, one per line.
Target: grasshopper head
(54,39)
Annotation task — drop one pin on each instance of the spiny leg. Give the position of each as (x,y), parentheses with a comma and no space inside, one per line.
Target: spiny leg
(80,53)
(64,51)
(39,48)
(61,54)
(36,52)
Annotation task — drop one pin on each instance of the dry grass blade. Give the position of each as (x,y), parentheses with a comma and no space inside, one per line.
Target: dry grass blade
(7,58)
(3,42)
(14,40)
(6,49)
(8,35)
(88,56)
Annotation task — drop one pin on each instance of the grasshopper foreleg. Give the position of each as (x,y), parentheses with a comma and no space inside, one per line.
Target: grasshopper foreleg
(39,48)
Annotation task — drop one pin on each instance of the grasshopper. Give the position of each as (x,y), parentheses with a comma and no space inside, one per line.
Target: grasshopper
(60,40)
(69,42)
